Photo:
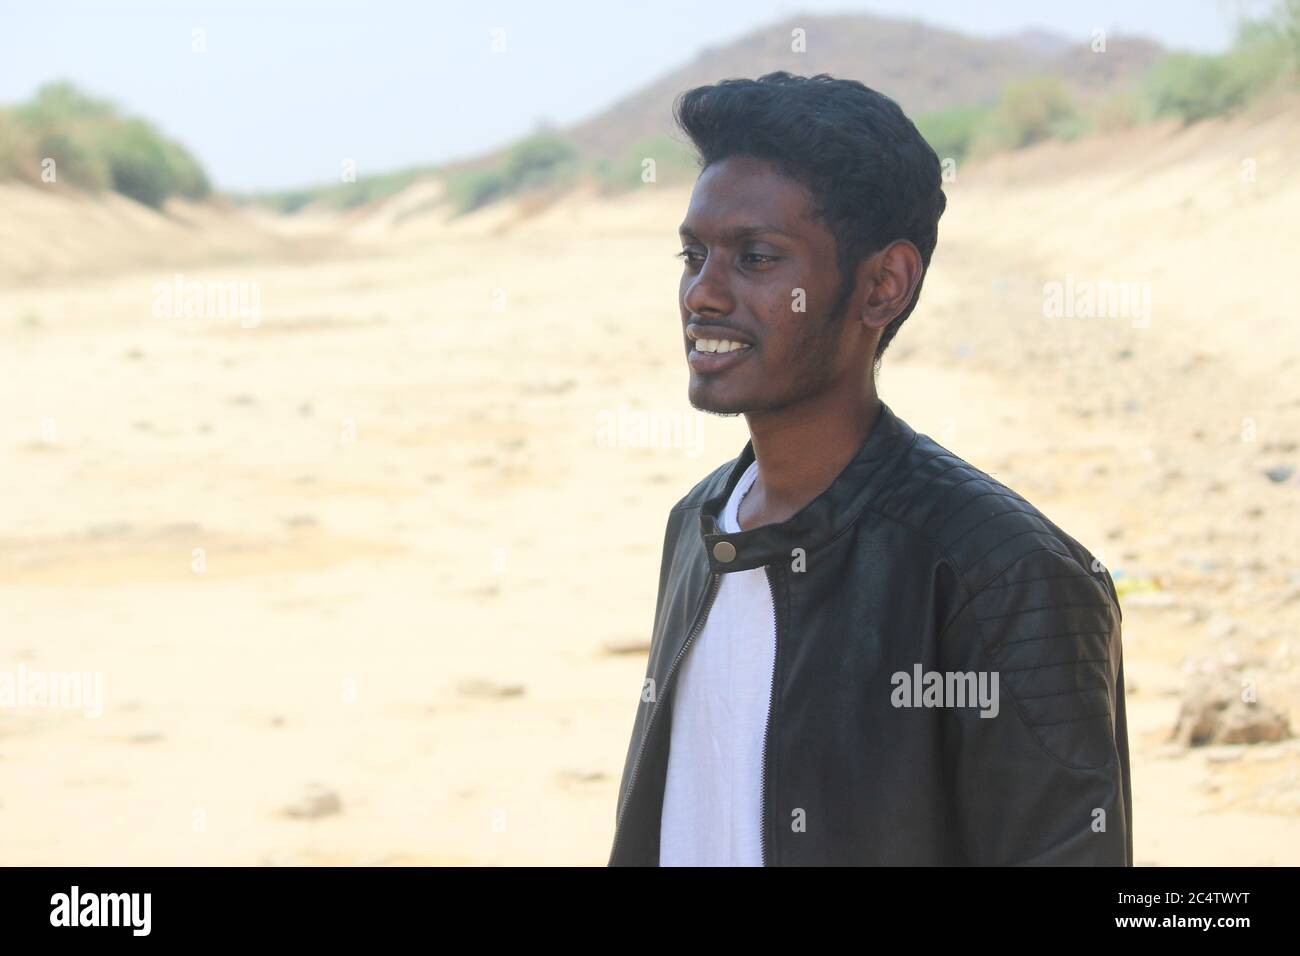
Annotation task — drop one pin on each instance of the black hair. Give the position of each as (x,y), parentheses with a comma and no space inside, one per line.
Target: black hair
(873,177)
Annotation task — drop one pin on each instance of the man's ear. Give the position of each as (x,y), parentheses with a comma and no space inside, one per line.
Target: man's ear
(890,277)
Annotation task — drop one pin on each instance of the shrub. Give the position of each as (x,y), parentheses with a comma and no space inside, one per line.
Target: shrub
(674,163)
(542,160)
(953,132)
(1031,111)
(1265,56)
(137,162)
(1120,110)
(1192,86)
(95,147)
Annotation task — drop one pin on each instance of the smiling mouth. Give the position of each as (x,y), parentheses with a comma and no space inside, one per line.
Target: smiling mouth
(709,356)
(717,345)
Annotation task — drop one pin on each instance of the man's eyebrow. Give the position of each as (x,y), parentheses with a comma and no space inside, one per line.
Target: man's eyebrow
(740,232)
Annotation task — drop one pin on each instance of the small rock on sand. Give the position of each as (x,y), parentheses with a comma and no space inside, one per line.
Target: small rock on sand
(480,687)
(572,775)
(317,801)
(1213,712)
(626,645)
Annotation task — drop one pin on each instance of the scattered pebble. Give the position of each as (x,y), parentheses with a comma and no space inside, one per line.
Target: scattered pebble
(316,802)
(479,687)
(581,776)
(626,645)
(1213,712)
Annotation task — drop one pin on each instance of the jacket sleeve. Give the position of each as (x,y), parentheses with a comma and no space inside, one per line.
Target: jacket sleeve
(671,530)
(1041,776)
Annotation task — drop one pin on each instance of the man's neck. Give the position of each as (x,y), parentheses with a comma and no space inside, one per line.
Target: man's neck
(801,450)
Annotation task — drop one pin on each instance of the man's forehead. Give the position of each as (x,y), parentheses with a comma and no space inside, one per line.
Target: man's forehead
(739,197)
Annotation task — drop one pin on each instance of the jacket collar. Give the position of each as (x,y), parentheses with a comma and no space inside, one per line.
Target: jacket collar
(819,521)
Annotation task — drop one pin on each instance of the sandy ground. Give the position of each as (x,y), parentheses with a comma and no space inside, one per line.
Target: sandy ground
(368,581)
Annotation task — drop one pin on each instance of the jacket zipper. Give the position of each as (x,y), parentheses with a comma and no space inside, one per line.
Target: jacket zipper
(771,702)
(715,581)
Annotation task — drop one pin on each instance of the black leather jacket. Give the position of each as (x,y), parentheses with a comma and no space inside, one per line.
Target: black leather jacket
(913,561)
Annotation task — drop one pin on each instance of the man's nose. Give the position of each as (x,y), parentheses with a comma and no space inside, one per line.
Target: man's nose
(708,292)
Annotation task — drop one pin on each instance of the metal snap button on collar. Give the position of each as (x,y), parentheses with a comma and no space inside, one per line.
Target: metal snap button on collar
(724,551)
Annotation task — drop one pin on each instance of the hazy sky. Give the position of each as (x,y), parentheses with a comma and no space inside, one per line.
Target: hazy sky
(286,90)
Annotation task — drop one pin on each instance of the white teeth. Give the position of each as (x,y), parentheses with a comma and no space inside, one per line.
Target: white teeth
(718,345)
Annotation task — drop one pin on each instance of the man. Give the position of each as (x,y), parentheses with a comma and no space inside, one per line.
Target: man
(865,650)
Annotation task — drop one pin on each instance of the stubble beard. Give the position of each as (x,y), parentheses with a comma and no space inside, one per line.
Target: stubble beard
(811,370)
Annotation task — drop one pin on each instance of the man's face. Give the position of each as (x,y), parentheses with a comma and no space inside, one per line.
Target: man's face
(749,245)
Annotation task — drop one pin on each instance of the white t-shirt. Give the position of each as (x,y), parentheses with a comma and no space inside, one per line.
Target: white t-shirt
(713,800)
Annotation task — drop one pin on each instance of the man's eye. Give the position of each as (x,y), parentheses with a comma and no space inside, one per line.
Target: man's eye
(691,257)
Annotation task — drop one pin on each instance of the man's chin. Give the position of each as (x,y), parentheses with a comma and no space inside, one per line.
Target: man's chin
(705,399)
